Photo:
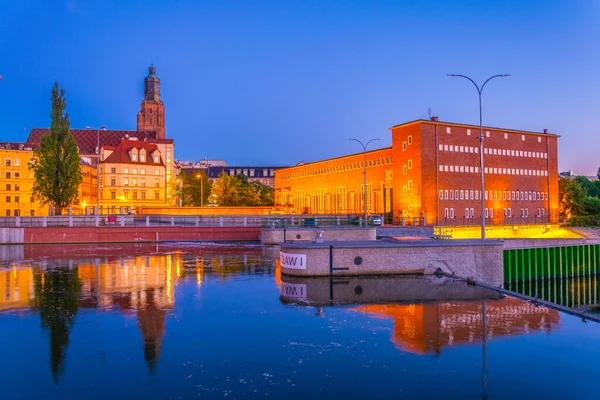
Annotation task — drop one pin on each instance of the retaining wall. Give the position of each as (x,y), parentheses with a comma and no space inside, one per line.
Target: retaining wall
(513,244)
(136,234)
(480,260)
(272,236)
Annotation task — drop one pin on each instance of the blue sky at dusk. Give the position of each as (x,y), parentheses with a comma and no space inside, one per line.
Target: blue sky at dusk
(279,82)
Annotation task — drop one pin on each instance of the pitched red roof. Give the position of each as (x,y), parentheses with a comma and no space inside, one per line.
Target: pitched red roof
(87,139)
(121,153)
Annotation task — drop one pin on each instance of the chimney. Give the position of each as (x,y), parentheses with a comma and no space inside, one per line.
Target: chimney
(434,118)
(545,130)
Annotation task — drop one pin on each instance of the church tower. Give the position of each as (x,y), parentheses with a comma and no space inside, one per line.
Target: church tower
(151,116)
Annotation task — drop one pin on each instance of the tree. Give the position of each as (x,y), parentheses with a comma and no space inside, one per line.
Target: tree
(189,189)
(236,190)
(571,198)
(57,293)
(56,163)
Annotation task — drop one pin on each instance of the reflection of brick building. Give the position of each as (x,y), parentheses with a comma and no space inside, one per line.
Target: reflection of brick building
(428,328)
(432,171)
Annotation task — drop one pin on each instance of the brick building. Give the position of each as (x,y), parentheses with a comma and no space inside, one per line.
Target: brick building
(431,172)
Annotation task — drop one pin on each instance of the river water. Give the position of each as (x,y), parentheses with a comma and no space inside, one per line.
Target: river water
(219,322)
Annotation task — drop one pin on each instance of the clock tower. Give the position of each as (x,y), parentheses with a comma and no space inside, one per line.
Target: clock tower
(151,116)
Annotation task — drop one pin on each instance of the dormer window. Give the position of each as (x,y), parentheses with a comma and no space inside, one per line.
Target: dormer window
(142,157)
(156,158)
(133,157)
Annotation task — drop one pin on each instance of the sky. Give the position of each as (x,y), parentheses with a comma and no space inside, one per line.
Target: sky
(280,82)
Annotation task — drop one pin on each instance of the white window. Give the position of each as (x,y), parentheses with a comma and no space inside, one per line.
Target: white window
(462,149)
(476,149)
(441,194)
(446,213)
(487,134)
(441,168)
(451,147)
(491,213)
(540,139)
(441,147)
(477,195)
(523,137)
(485,150)
(471,194)
(452,168)
(468,132)
(486,213)
(448,130)
(485,169)
(445,147)
(156,172)
(452,213)
(467,214)
(471,169)
(495,151)
(456,194)
(452,195)
(462,195)
(527,212)
(445,194)
(462,168)
(445,168)
(486,194)
(506,136)
(470,149)
(509,212)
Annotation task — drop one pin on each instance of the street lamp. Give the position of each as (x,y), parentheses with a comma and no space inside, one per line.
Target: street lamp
(479,91)
(103,128)
(199,176)
(364,146)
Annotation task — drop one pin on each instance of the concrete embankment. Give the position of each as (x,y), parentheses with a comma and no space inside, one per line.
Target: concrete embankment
(273,236)
(33,235)
(480,260)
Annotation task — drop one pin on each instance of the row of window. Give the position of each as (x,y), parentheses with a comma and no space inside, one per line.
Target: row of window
(488,134)
(492,195)
(16,187)
(134,157)
(134,171)
(408,142)
(251,172)
(133,195)
(489,212)
(492,151)
(494,170)
(10,175)
(134,182)
(339,168)
(16,198)
(9,163)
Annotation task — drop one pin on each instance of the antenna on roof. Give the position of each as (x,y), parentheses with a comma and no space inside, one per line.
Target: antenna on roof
(429,113)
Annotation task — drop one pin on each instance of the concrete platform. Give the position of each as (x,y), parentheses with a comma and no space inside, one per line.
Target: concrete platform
(274,236)
(408,289)
(482,260)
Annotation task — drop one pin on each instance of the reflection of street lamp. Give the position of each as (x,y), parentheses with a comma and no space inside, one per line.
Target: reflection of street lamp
(364,146)
(103,128)
(201,190)
(479,91)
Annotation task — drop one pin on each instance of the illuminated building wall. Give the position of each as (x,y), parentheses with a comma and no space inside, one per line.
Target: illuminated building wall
(428,328)
(432,171)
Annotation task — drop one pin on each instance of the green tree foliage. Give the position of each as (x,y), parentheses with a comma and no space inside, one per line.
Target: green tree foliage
(57,293)
(189,189)
(236,190)
(579,202)
(56,163)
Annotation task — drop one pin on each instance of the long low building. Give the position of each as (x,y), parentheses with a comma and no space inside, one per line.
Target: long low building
(432,172)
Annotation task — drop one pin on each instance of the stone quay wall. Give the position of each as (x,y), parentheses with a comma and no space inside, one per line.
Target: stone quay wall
(482,261)
(273,236)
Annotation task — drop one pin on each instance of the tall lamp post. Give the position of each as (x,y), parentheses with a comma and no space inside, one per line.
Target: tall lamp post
(364,146)
(480,91)
(201,190)
(102,128)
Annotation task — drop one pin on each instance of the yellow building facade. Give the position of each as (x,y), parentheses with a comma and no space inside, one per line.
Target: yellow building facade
(132,174)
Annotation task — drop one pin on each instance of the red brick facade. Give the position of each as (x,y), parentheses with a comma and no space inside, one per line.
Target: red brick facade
(435,175)
(151,117)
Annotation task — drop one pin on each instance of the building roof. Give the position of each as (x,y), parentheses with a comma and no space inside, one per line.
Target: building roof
(427,121)
(216,171)
(361,154)
(87,139)
(121,153)
(15,146)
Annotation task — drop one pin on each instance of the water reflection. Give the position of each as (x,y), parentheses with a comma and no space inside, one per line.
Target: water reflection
(144,284)
(428,313)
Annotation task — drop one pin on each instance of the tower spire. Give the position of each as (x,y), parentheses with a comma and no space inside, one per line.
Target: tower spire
(151,116)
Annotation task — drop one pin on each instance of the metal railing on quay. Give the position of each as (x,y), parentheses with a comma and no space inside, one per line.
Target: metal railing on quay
(463,221)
